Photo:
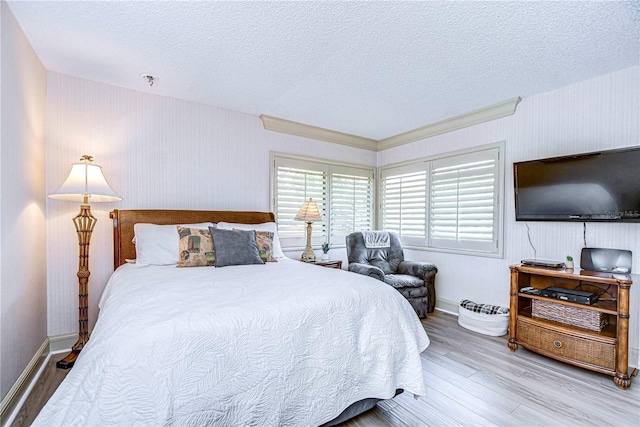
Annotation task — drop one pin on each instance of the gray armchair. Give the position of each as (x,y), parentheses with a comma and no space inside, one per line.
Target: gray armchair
(414,280)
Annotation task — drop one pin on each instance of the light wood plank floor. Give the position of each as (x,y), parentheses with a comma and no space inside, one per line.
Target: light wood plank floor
(472,379)
(42,391)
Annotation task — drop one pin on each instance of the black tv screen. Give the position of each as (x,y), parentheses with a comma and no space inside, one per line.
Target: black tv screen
(599,186)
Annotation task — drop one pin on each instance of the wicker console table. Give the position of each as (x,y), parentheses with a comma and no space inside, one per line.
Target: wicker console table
(605,350)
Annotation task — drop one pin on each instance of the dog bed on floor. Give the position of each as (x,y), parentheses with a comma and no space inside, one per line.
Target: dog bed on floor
(483,318)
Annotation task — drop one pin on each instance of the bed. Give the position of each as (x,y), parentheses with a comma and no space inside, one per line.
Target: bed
(280,343)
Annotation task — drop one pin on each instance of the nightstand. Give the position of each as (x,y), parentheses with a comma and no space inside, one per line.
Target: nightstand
(328,263)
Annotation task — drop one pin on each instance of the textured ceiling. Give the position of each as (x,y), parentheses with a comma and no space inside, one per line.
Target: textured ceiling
(373,69)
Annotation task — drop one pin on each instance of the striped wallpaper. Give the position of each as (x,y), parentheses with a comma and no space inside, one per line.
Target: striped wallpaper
(156,152)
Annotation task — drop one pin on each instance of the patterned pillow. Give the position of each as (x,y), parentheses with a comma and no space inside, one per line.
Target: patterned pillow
(264,239)
(196,247)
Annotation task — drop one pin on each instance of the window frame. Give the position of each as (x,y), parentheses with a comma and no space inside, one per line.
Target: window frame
(330,166)
(426,163)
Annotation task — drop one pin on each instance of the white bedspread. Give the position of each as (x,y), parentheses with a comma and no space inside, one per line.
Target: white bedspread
(283,343)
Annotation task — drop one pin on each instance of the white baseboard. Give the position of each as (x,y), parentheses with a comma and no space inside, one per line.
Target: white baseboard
(634,358)
(447,306)
(62,343)
(14,399)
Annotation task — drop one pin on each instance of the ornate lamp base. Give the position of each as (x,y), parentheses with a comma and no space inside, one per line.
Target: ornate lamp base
(84,223)
(308,255)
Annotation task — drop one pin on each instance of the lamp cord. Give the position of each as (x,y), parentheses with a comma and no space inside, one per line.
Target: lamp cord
(535,253)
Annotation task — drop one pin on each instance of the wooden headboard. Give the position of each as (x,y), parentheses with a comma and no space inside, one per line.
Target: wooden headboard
(124,220)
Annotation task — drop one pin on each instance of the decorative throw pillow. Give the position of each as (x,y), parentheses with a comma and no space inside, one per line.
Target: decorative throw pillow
(158,244)
(265,226)
(264,240)
(235,247)
(196,247)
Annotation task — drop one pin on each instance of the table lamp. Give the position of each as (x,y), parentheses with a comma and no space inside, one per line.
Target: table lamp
(309,213)
(85,181)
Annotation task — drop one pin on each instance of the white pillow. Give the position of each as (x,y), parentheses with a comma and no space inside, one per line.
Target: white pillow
(158,244)
(265,226)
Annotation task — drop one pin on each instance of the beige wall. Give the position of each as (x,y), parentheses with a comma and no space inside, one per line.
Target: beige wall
(597,114)
(23,297)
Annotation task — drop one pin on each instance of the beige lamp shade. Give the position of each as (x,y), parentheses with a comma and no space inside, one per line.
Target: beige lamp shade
(85,178)
(309,212)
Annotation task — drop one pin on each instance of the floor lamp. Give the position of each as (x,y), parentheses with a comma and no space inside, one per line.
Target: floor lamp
(309,212)
(85,181)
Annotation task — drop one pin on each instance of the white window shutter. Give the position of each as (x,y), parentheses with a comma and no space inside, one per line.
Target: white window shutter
(404,202)
(352,202)
(464,203)
(344,193)
(297,181)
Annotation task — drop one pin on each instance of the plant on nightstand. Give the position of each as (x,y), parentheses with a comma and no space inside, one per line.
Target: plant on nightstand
(325,250)
(569,262)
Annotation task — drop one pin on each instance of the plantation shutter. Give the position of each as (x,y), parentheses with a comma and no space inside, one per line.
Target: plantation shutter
(404,202)
(352,202)
(297,181)
(464,201)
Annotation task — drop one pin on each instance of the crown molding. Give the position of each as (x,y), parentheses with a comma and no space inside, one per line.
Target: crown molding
(307,131)
(482,115)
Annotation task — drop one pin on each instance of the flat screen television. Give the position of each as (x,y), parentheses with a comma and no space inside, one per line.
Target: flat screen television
(599,186)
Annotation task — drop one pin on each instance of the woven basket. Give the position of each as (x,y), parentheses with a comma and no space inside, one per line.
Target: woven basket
(588,319)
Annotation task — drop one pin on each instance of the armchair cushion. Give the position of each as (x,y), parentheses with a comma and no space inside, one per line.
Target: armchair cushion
(367,270)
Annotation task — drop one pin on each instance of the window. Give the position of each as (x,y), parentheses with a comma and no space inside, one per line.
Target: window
(404,202)
(464,202)
(351,202)
(450,203)
(344,193)
(297,181)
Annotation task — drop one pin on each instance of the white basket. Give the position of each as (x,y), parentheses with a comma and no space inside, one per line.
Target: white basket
(488,324)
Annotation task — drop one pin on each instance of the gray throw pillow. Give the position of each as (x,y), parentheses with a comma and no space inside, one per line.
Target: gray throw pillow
(235,247)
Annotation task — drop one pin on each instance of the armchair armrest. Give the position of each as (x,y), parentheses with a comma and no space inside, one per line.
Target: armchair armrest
(367,270)
(418,269)
(425,271)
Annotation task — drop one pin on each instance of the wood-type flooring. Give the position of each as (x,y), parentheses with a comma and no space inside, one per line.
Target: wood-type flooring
(471,380)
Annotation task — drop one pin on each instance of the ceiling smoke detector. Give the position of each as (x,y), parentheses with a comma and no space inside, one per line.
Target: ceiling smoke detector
(149,78)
